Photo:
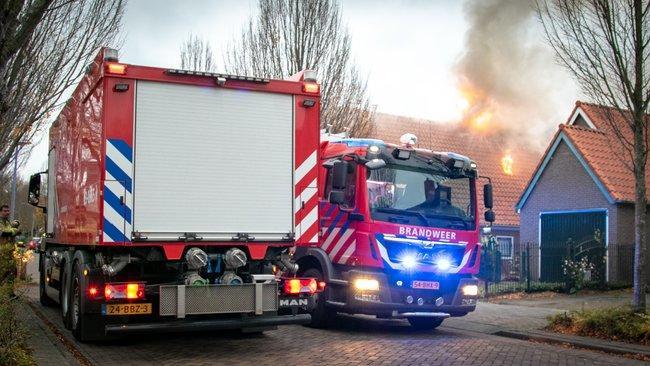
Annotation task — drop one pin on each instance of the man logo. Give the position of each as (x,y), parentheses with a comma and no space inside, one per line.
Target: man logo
(294,302)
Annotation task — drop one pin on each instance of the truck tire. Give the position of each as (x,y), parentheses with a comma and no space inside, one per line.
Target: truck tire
(321,316)
(425,323)
(64,296)
(85,327)
(42,294)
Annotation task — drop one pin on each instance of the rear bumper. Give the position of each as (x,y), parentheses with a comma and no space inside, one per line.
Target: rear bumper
(182,325)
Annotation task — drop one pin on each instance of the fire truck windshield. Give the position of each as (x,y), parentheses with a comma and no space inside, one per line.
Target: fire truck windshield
(421,197)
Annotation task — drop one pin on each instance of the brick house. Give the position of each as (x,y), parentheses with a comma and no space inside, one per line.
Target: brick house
(488,152)
(581,196)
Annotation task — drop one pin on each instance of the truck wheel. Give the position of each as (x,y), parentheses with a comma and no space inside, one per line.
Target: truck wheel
(42,294)
(64,297)
(75,305)
(425,323)
(321,316)
(82,324)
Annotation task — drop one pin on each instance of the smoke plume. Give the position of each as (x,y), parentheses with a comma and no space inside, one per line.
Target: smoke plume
(508,76)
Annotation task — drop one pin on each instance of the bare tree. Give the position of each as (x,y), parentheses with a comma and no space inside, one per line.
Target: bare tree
(604,44)
(44,48)
(196,54)
(288,36)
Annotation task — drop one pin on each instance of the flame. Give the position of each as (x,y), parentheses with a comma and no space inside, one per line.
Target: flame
(506,163)
(476,108)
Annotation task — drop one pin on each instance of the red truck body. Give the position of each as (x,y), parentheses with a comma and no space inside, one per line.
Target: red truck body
(146,163)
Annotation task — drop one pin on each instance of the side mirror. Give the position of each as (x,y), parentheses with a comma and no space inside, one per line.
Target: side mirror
(375,164)
(337,197)
(34,196)
(487,196)
(490,216)
(339,175)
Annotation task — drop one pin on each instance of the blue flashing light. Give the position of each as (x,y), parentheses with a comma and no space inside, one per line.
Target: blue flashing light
(360,142)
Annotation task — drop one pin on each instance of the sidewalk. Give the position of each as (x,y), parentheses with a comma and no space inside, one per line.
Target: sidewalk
(46,348)
(524,319)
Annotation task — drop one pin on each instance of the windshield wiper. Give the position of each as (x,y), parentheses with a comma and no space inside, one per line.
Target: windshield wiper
(403,212)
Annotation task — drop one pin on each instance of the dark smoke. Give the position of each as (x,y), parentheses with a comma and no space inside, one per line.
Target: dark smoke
(507,69)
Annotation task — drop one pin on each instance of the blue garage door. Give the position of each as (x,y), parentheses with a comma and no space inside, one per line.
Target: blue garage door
(560,231)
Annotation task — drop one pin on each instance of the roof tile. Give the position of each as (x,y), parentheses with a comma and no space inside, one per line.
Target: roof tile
(486,150)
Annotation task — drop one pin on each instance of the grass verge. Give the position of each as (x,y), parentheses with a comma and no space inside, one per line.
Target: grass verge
(617,324)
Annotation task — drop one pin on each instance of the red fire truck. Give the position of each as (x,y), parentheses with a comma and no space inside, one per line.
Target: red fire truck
(399,232)
(173,199)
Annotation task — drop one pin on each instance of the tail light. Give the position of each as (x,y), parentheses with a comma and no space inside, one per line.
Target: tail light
(130,291)
(93,292)
(295,286)
(115,68)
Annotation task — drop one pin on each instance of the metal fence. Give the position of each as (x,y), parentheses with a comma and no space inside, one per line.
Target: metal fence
(532,268)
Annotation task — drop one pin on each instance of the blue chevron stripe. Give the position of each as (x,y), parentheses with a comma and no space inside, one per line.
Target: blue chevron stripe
(113,232)
(114,201)
(118,174)
(334,222)
(122,147)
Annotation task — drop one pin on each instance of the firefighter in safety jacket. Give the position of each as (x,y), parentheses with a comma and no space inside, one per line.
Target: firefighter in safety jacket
(9,228)
(8,269)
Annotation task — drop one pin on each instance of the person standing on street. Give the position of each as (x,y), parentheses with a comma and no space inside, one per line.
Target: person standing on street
(9,228)
(8,235)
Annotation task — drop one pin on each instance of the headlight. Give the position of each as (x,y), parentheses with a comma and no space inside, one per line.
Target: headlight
(409,261)
(470,290)
(366,284)
(443,264)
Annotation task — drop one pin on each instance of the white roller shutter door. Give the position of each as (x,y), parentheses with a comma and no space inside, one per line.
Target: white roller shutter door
(212,161)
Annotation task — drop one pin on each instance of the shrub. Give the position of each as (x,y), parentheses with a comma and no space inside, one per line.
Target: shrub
(574,271)
(620,324)
(12,334)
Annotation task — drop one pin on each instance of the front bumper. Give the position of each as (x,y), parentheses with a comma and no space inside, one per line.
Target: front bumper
(207,324)
(390,302)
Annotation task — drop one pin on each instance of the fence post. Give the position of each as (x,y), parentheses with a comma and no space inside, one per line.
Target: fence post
(527,267)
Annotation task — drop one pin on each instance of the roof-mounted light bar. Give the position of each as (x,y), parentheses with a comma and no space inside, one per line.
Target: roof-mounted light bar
(216,75)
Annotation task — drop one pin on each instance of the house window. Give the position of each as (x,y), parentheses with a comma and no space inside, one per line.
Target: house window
(506,244)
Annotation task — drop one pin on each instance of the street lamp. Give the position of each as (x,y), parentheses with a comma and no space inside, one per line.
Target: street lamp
(12,207)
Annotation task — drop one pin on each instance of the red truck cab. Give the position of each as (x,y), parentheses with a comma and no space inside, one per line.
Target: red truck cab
(399,232)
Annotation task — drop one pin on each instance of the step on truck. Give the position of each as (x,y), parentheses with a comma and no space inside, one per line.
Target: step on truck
(399,232)
(174,200)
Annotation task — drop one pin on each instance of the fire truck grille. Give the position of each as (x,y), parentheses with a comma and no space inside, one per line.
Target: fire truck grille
(217,299)
(425,255)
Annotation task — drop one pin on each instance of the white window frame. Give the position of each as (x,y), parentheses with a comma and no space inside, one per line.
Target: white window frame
(512,245)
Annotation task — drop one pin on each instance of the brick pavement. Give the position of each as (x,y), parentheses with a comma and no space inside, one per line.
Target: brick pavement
(46,348)
(353,340)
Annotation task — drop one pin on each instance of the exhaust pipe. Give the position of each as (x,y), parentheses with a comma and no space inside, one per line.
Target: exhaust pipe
(116,265)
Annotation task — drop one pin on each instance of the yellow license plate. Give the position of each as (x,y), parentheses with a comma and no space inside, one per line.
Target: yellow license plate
(127,309)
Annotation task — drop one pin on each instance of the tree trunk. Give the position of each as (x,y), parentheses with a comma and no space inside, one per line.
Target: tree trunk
(640,208)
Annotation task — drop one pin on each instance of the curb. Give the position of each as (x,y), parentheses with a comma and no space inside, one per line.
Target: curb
(577,341)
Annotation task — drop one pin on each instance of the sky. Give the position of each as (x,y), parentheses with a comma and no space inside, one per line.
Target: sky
(406,49)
